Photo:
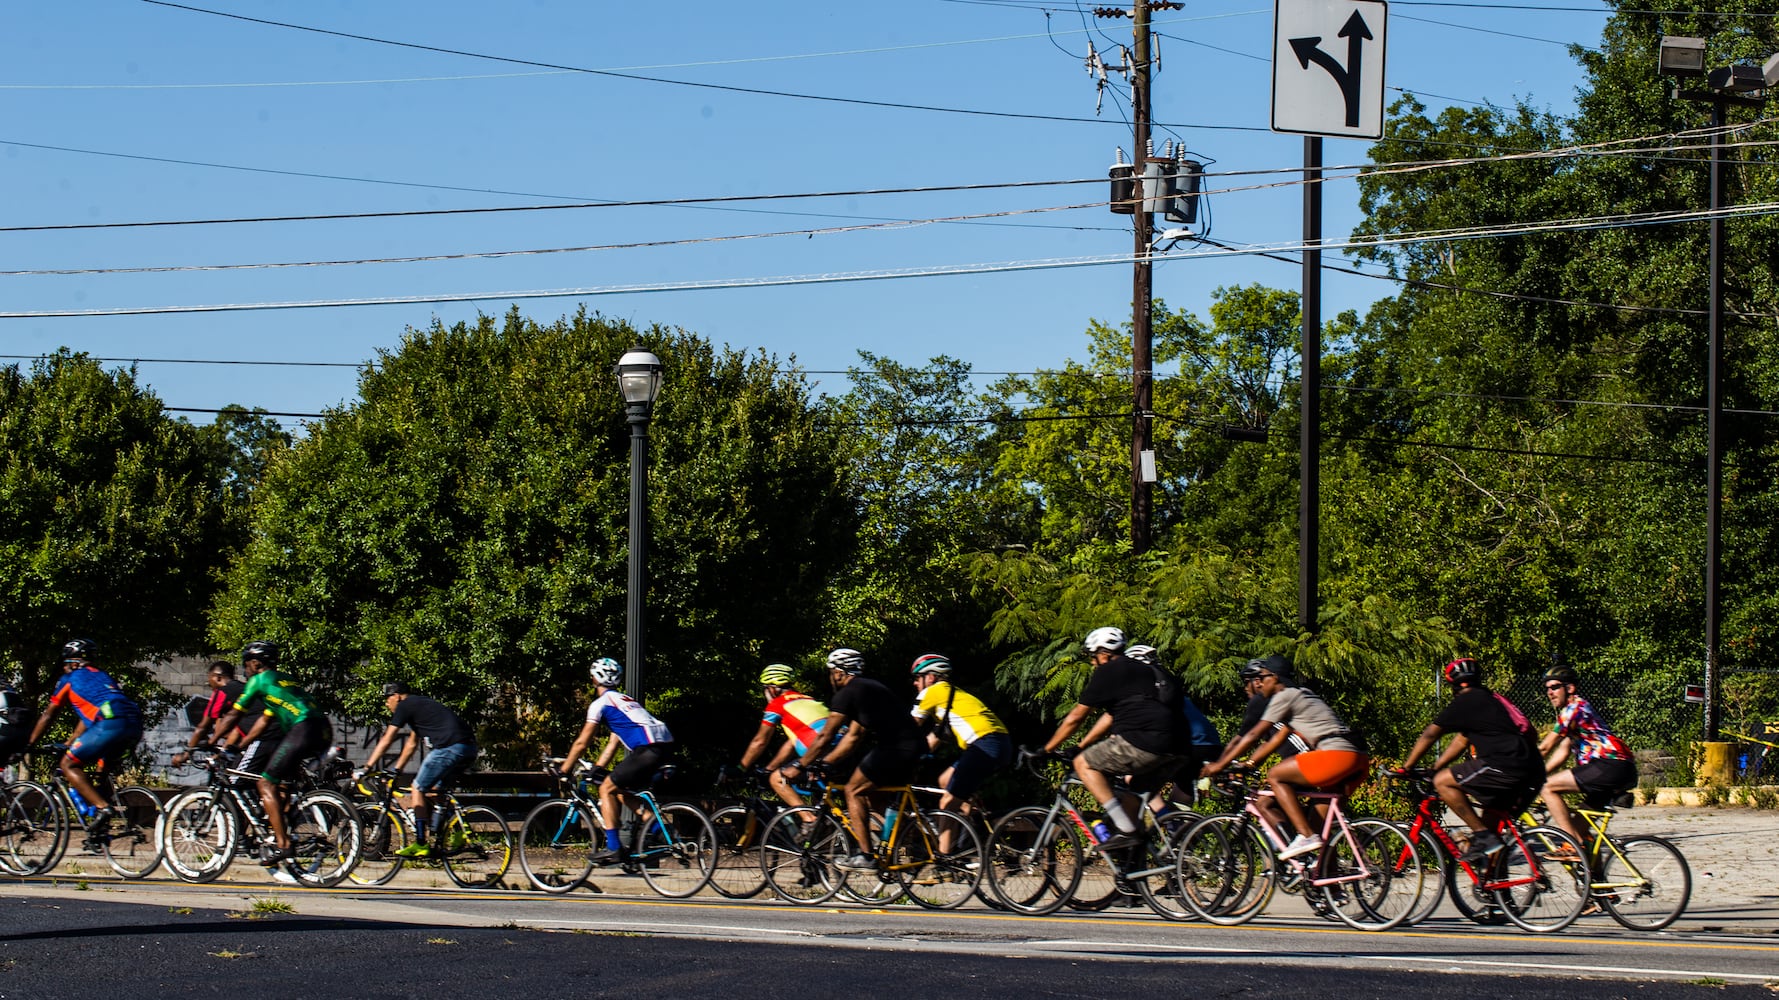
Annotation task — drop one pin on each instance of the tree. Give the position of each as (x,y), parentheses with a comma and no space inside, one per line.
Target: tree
(463,526)
(114,521)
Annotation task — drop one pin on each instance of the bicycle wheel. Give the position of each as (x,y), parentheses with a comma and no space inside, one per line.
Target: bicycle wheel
(199,836)
(324,843)
(1227,873)
(1540,894)
(798,852)
(1162,890)
(36,828)
(382,834)
(1392,876)
(933,880)
(1034,860)
(478,847)
(556,845)
(1644,883)
(737,873)
(677,850)
(1435,863)
(132,848)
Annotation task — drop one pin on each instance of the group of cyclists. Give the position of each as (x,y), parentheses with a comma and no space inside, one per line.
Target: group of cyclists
(1142,733)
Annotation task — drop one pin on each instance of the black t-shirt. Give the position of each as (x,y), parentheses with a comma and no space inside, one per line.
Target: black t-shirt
(886,718)
(1126,688)
(438,725)
(1480,717)
(1293,744)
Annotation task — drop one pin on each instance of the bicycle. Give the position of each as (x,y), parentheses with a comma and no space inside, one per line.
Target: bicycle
(473,845)
(1367,874)
(673,849)
(740,829)
(206,828)
(1521,883)
(800,851)
(1643,882)
(39,821)
(1038,856)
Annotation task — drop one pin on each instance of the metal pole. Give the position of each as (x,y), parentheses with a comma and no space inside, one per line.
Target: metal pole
(1141,334)
(1310,390)
(1713,421)
(633,622)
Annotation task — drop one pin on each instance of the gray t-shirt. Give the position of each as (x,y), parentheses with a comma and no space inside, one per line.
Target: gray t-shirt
(1307,714)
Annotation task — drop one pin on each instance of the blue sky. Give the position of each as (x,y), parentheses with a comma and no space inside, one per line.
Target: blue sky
(100,99)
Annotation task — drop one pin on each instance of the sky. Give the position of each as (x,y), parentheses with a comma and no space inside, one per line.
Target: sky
(129,111)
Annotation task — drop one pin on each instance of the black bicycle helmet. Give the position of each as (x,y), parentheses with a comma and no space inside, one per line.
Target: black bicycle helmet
(264,651)
(79,649)
(1565,675)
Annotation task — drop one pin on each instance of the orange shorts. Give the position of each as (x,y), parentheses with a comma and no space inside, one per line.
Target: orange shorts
(1327,768)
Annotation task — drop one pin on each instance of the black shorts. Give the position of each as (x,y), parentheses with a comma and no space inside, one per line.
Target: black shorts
(640,765)
(305,741)
(1601,780)
(887,767)
(1494,788)
(978,763)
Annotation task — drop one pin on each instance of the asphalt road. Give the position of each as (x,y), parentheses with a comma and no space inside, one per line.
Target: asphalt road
(91,946)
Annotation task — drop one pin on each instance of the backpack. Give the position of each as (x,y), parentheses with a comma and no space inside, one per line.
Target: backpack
(15,715)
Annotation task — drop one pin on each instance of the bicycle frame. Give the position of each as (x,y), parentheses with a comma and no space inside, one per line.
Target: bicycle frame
(1502,823)
(1334,816)
(1062,806)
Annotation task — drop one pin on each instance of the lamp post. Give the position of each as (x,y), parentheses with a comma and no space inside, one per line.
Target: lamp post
(1741,85)
(639,380)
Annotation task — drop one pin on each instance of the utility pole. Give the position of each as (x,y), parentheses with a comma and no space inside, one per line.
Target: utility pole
(1142,295)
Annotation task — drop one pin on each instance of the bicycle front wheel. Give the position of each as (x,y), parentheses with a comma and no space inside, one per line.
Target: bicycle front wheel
(478,847)
(1383,876)
(677,850)
(382,835)
(1435,863)
(934,880)
(132,848)
(324,839)
(1034,860)
(1541,894)
(798,853)
(1644,882)
(199,836)
(556,845)
(36,828)
(1227,873)
(737,873)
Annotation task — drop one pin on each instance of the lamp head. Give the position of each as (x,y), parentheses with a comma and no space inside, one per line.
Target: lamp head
(1680,55)
(639,376)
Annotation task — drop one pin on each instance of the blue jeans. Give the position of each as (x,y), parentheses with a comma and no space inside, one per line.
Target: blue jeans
(444,764)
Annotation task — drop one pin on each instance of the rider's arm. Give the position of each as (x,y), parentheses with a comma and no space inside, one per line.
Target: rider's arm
(1234,750)
(1067,726)
(1281,733)
(814,751)
(43,721)
(605,756)
(408,749)
(1558,751)
(785,750)
(579,747)
(758,744)
(1096,732)
(855,734)
(1458,747)
(1424,743)
(382,746)
(259,727)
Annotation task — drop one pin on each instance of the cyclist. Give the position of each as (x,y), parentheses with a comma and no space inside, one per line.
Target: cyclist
(1334,758)
(986,746)
(224,690)
(864,707)
(1207,744)
(110,725)
(15,723)
(1141,732)
(1604,766)
(1506,770)
(648,746)
(801,717)
(296,729)
(450,751)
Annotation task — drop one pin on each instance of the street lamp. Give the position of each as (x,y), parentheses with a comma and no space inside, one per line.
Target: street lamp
(639,380)
(1741,85)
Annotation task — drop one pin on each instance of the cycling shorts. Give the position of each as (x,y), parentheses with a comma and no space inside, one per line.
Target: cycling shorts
(444,764)
(106,742)
(1148,770)
(979,761)
(640,765)
(1602,779)
(888,766)
(305,741)
(1330,768)
(1494,788)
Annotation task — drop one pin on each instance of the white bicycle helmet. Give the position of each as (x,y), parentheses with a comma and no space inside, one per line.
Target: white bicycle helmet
(1144,654)
(607,672)
(847,661)
(1109,639)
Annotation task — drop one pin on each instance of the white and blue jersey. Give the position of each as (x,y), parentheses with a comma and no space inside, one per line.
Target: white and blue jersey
(628,720)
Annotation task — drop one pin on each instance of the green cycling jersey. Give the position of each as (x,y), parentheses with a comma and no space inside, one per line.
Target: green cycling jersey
(284,699)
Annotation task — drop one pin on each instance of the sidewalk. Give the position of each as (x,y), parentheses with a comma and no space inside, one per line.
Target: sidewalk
(1733,852)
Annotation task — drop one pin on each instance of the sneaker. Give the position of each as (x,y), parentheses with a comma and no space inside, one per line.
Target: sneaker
(1120,842)
(964,862)
(101,821)
(417,851)
(1303,844)
(271,854)
(1483,845)
(280,875)
(858,863)
(605,855)
(1563,854)
(455,840)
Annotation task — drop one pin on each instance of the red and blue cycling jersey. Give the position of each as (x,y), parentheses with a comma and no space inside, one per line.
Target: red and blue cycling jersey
(801,717)
(92,693)
(1587,733)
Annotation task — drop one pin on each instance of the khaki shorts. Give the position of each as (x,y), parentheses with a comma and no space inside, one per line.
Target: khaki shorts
(1116,755)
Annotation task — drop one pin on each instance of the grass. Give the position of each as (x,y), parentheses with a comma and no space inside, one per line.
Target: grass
(1763,797)
(440,941)
(227,953)
(181,910)
(260,909)
(1714,794)
(1709,981)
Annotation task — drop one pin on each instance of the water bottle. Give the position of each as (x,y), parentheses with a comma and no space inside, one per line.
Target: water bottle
(85,808)
(1102,831)
(889,822)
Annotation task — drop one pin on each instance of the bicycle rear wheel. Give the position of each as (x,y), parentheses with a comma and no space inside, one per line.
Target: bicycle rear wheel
(1541,894)
(677,850)
(737,873)
(382,835)
(556,845)
(1645,884)
(1391,886)
(798,862)
(1227,873)
(1435,863)
(36,828)
(323,839)
(478,847)
(939,881)
(199,836)
(1162,843)
(132,848)
(1034,861)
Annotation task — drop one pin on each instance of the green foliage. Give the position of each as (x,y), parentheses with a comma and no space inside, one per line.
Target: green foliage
(114,521)
(463,526)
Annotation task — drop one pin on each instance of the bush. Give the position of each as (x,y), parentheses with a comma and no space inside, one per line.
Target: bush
(1714,794)
(1763,797)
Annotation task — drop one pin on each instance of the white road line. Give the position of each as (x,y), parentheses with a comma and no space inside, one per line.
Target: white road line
(1615,969)
(631,925)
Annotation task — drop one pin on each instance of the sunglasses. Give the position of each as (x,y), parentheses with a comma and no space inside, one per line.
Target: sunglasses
(1555,686)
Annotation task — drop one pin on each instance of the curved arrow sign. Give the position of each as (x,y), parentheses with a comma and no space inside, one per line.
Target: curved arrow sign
(1328,67)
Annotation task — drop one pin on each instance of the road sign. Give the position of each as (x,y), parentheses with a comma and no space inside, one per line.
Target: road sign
(1693,694)
(1328,67)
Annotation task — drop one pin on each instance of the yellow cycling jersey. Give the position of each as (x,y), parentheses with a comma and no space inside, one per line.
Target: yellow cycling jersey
(970,719)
